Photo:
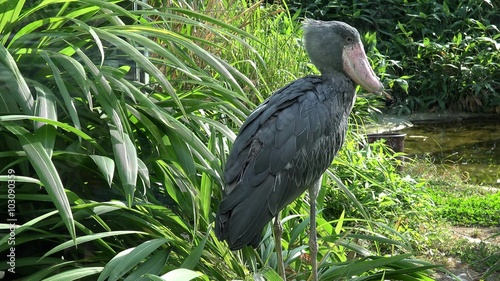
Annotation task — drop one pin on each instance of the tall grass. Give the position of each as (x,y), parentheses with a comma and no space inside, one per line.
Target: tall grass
(118,178)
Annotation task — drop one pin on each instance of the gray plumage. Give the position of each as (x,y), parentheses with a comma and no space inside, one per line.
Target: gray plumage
(289,141)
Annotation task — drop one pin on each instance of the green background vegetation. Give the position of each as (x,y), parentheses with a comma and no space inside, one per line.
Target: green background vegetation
(120,179)
(416,40)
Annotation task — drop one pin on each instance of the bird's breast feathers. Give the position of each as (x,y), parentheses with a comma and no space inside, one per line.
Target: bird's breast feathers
(301,125)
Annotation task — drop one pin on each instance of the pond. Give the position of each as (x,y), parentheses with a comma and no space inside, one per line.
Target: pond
(473,145)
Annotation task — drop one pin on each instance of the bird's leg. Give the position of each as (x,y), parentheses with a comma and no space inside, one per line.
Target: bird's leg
(313,242)
(278,231)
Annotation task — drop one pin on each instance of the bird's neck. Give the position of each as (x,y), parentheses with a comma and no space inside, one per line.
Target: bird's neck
(343,87)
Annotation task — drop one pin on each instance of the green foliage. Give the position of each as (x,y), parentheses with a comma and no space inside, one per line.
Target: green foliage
(371,172)
(462,204)
(461,209)
(457,201)
(441,55)
(118,178)
(107,148)
(481,256)
(280,57)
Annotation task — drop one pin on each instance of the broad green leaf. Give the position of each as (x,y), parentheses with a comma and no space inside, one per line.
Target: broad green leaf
(47,173)
(10,14)
(269,274)
(222,67)
(106,165)
(47,136)
(23,227)
(77,71)
(140,59)
(340,223)
(144,173)
(184,156)
(18,39)
(63,90)
(152,265)
(337,239)
(126,162)
(84,239)
(94,35)
(50,265)
(128,259)
(21,179)
(194,258)
(190,138)
(181,274)
(13,78)
(205,196)
(299,229)
(105,95)
(58,124)
(8,103)
(229,134)
(75,274)
(406,270)
(45,105)
(358,267)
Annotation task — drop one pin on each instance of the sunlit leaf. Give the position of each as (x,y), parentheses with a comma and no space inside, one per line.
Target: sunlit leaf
(106,165)
(75,274)
(47,173)
(83,239)
(126,162)
(15,82)
(128,259)
(181,274)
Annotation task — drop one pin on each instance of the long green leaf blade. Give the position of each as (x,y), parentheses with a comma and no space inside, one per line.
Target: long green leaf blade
(75,274)
(83,239)
(47,173)
(126,162)
(13,78)
(128,259)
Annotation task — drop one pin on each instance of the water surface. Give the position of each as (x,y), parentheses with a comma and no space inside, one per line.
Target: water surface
(474,145)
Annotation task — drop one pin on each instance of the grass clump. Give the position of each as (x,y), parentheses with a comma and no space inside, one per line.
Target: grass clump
(457,201)
(481,256)
(466,216)
(371,171)
(476,210)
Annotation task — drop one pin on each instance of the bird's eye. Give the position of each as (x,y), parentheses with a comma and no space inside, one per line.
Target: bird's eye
(349,39)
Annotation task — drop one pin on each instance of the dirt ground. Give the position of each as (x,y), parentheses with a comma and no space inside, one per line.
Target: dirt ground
(464,271)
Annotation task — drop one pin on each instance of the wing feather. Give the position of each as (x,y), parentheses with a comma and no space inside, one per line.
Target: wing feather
(272,162)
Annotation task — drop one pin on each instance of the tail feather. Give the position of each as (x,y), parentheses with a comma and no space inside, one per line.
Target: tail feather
(241,224)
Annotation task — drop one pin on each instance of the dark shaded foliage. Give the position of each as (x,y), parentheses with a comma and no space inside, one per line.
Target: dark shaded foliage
(448,51)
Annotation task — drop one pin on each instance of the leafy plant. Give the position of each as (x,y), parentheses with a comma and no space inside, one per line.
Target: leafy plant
(480,256)
(463,209)
(107,149)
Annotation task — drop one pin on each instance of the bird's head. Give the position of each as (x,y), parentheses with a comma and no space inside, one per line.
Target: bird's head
(335,46)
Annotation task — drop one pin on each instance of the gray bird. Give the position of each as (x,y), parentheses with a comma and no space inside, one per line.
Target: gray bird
(287,143)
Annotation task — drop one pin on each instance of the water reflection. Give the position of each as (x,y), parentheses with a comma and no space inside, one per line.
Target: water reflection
(473,145)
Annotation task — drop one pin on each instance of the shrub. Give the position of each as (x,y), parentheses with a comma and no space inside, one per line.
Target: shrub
(443,54)
(461,209)
(371,173)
